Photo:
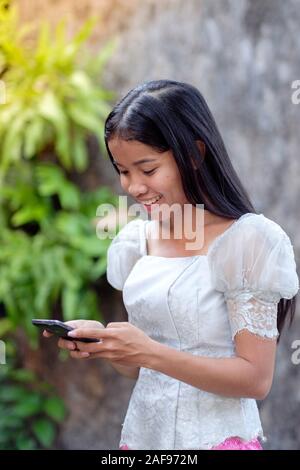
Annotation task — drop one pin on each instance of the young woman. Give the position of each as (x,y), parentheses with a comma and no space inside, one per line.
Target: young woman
(203,324)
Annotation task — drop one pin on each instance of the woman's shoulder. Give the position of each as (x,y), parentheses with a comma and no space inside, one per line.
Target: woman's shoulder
(261,223)
(132,232)
(249,227)
(255,252)
(126,248)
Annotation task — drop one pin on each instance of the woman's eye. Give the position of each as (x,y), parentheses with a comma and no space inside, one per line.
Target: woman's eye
(145,172)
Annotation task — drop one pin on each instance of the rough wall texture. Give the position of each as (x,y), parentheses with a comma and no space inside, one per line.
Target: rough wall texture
(243,56)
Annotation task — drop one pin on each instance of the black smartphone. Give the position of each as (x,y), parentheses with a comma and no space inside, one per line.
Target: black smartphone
(60,329)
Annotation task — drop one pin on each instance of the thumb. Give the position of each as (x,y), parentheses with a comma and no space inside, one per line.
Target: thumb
(116,324)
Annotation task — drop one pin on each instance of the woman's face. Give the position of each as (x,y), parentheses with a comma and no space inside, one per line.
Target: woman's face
(146,180)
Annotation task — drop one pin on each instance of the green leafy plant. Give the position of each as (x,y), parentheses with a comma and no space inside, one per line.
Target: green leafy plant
(58,264)
(30,410)
(50,257)
(51,100)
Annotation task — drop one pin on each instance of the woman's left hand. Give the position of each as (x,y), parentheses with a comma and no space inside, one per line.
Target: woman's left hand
(122,343)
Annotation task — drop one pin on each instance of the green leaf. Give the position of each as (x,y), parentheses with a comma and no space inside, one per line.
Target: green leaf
(24,442)
(42,41)
(33,137)
(95,64)
(84,118)
(88,305)
(69,196)
(44,431)
(29,214)
(10,423)
(23,375)
(51,109)
(88,245)
(55,408)
(69,303)
(98,269)
(49,178)
(85,30)
(79,152)
(10,393)
(29,406)
(81,81)
(5,326)
(11,149)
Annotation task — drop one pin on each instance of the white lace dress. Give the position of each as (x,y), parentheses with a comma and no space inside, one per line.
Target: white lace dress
(197,304)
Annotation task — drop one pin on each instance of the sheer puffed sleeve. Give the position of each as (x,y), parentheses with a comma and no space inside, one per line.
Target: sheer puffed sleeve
(254,265)
(124,251)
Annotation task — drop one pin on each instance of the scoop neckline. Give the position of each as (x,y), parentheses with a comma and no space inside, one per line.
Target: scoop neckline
(210,248)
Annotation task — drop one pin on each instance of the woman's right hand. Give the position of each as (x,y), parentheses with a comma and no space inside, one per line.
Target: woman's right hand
(70,345)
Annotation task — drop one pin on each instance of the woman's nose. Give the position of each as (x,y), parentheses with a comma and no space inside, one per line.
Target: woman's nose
(137,190)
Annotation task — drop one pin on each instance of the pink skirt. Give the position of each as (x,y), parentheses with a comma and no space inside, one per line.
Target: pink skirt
(231,443)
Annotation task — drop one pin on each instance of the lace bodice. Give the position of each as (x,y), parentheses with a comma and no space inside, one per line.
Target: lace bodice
(198,304)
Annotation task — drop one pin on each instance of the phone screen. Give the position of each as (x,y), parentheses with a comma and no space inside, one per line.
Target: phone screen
(59,330)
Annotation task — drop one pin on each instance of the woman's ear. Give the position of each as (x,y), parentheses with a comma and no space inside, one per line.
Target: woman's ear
(201,146)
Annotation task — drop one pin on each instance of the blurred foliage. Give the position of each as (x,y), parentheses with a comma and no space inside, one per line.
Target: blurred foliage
(50,257)
(29,408)
(51,97)
(61,261)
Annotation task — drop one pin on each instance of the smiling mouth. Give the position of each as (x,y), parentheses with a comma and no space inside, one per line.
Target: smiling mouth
(150,203)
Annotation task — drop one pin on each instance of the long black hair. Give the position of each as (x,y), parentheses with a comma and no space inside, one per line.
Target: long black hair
(170,115)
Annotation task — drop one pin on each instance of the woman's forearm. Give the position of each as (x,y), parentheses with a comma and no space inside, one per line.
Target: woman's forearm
(232,376)
(131,372)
